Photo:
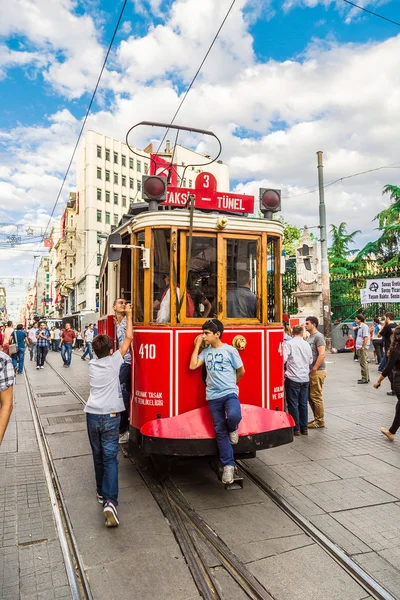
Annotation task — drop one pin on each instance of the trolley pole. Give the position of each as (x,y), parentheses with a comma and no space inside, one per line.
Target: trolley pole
(326,294)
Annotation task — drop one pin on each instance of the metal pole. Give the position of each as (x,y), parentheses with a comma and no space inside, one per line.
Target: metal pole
(326,296)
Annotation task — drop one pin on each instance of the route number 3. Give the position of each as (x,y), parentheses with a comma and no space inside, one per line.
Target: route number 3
(147,351)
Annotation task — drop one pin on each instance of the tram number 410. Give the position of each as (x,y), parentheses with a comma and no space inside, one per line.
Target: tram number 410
(147,351)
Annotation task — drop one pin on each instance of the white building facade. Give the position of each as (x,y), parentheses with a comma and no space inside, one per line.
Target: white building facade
(109,179)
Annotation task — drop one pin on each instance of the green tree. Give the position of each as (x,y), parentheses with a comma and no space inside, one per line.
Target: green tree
(339,252)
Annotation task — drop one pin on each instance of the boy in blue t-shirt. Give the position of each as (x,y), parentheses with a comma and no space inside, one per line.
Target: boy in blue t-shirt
(224,370)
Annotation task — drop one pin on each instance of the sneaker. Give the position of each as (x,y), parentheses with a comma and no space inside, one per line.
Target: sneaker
(362,381)
(99,498)
(227,475)
(124,438)
(111,515)
(304,431)
(296,432)
(38,367)
(316,425)
(390,394)
(82,358)
(42,367)
(389,435)
(234,437)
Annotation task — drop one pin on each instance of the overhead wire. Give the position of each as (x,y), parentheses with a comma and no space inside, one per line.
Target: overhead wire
(372,13)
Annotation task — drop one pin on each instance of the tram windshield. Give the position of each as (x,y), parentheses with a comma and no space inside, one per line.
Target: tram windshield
(241,279)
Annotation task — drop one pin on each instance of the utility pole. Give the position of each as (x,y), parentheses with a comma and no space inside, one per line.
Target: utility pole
(326,294)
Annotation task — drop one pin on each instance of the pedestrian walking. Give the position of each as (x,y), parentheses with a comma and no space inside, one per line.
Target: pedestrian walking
(43,344)
(126,367)
(7,380)
(52,338)
(355,332)
(362,345)
(386,334)
(224,370)
(67,343)
(8,331)
(89,335)
(103,410)
(392,369)
(32,341)
(79,339)
(20,338)
(317,373)
(57,336)
(377,341)
(298,359)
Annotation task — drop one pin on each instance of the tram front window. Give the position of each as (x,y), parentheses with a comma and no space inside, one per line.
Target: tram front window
(161,276)
(201,292)
(241,276)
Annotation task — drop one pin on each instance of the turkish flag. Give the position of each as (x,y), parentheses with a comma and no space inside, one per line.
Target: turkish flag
(160,166)
(48,242)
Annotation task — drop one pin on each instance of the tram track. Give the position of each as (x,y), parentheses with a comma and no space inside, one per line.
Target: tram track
(198,541)
(77,580)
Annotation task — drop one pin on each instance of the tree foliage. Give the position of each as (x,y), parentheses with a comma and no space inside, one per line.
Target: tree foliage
(339,252)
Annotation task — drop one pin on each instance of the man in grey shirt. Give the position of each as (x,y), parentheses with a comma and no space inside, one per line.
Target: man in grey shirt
(298,360)
(241,301)
(317,373)
(362,345)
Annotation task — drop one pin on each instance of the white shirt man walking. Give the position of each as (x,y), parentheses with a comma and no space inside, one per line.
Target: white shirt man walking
(298,360)
(362,345)
(317,373)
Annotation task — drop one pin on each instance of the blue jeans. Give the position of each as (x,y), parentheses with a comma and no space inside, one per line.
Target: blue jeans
(88,350)
(226,416)
(18,359)
(297,401)
(103,431)
(56,345)
(125,374)
(32,350)
(382,363)
(66,352)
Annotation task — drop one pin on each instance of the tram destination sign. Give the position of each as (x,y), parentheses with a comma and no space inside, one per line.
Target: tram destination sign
(207,197)
(381,290)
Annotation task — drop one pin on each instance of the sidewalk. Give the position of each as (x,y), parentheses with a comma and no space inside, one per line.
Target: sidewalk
(31,563)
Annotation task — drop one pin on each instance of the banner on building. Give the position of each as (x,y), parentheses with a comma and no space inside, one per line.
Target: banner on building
(163,168)
(48,242)
(381,290)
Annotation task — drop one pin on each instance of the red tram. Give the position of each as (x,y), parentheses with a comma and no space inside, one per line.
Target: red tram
(208,255)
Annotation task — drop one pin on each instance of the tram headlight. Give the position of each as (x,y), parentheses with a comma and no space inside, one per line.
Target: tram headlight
(270,202)
(154,187)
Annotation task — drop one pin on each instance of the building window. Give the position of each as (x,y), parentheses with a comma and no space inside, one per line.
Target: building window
(131,183)
(99,238)
(123,180)
(123,160)
(107,175)
(70,270)
(115,177)
(98,194)
(123,200)
(71,221)
(146,168)
(190,183)
(47,277)
(138,166)
(99,217)
(107,196)
(107,218)
(98,260)
(98,151)
(115,198)
(98,173)
(139,186)
(107,154)
(116,218)
(131,163)
(97,282)
(115,158)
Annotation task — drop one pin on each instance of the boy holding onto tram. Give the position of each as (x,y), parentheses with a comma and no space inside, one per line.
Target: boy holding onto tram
(224,370)
(103,410)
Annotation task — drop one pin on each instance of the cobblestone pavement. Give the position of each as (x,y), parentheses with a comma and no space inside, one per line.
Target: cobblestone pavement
(31,563)
(344,478)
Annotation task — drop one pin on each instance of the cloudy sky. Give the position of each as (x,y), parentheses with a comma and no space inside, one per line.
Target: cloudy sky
(286,78)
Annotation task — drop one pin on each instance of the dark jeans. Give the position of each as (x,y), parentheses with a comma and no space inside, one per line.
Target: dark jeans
(344,351)
(18,359)
(66,352)
(88,350)
(103,437)
(41,353)
(125,381)
(56,346)
(226,416)
(297,401)
(383,362)
(378,347)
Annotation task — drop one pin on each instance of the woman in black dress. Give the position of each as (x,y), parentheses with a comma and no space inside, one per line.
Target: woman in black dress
(392,370)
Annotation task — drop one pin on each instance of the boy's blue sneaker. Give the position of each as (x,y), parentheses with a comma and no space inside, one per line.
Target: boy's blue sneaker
(234,437)
(110,515)
(99,498)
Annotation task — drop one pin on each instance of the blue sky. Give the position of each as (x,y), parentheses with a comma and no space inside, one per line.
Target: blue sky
(285,79)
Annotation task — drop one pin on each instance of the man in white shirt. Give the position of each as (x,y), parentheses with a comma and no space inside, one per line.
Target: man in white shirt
(298,360)
(33,341)
(57,337)
(103,409)
(362,345)
(89,335)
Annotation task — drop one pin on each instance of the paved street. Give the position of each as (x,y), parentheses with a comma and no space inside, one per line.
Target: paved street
(345,479)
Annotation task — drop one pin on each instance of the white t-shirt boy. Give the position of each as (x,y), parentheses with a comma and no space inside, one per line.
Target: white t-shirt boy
(105,390)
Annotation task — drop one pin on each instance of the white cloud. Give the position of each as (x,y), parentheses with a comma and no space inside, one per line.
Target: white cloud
(14,58)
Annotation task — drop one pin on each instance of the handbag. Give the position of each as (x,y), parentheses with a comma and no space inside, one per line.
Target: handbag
(12,349)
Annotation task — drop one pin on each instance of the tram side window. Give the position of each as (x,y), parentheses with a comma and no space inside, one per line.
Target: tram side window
(139,308)
(241,279)
(201,290)
(272,291)
(161,276)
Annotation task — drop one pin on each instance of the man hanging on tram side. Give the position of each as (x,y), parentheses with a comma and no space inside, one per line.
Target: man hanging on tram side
(224,370)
